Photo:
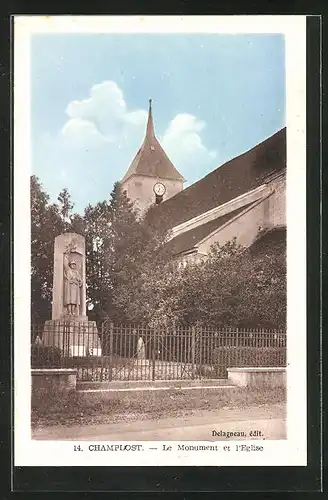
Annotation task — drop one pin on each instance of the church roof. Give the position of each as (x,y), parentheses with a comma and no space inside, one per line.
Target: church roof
(151,159)
(234,178)
(187,241)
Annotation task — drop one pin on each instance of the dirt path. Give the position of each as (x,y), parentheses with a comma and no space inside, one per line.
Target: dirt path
(267,420)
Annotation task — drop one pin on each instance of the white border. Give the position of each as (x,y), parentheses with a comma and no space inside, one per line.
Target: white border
(289,452)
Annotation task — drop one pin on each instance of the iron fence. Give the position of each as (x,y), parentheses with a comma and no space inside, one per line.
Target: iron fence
(138,352)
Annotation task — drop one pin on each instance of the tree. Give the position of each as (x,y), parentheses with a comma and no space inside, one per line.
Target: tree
(66,207)
(48,220)
(263,298)
(46,224)
(131,276)
(113,242)
(141,256)
(117,245)
(233,287)
(97,222)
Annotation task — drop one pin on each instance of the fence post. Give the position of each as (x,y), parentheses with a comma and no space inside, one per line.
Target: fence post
(111,335)
(66,339)
(193,348)
(154,355)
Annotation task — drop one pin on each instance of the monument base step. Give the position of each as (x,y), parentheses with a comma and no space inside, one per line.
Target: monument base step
(74,319)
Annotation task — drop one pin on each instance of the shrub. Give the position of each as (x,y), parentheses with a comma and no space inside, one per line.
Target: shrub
(230,357)
(45,356)
(97,361)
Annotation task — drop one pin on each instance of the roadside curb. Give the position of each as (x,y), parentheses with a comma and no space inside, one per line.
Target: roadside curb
(151,384)
(162,388)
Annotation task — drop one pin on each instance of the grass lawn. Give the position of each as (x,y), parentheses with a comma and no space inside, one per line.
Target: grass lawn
(108,407)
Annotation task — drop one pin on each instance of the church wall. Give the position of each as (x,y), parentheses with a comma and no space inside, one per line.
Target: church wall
(276,210)
(244,228)
(221,210)
(140,190)
(277,204)
(270,213)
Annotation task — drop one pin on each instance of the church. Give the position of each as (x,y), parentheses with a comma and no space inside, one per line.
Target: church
(244,198)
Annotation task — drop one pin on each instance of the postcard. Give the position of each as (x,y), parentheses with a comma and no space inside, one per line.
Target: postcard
(160,240)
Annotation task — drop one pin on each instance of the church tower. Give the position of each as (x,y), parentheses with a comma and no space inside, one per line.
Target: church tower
(151,177)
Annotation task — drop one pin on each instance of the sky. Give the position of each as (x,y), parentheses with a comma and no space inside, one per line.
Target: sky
(214,96)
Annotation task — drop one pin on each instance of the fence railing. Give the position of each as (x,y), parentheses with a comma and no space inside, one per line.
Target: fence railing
(138,352)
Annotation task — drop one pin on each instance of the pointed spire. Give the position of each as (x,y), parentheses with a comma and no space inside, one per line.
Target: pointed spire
(150,133)
(151,159)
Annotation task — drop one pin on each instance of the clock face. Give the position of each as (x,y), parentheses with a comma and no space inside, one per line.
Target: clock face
(159,189)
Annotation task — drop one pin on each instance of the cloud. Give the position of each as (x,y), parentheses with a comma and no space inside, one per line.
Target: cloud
(99,139)
(102,118)
(77,132)
(183,143)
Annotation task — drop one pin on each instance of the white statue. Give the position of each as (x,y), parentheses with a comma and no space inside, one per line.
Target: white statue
(141,351)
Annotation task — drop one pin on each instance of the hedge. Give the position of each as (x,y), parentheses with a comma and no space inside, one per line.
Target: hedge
(45,356)
(51,357)
(234,357)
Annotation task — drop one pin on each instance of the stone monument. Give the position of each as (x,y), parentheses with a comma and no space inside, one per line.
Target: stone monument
(69,329)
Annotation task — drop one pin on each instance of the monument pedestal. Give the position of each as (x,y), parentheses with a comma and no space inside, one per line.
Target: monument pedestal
(75,336)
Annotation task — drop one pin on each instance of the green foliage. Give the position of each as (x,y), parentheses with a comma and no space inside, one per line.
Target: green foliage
(139,253)
(118,246)
(48,220)
(45,357)
(231,287)
(66,206)
(46,224)
(115,241)
(229,357)
(97,222)
(130,276)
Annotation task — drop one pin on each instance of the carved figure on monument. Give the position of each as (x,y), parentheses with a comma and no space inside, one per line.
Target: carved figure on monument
(72,286)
